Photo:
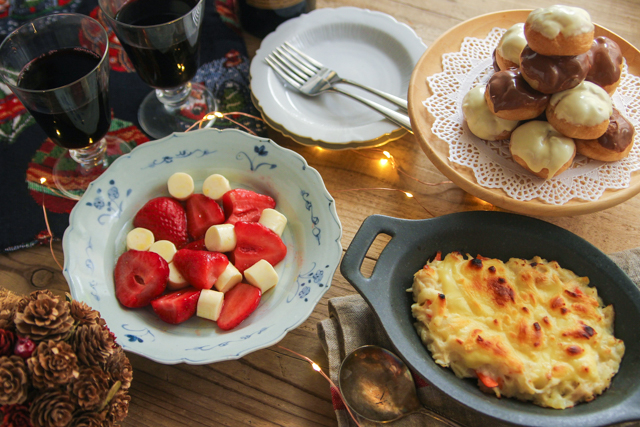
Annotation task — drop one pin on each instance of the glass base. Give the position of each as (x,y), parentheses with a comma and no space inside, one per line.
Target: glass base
(73,178)
(159,120)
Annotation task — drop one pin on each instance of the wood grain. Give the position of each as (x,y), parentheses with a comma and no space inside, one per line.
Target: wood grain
(271,387)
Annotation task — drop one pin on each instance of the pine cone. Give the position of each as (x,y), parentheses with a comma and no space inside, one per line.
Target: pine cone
(118,407)
(90,388)
(93,344)
(7,341)
(88,419)
(44,317)
(83,314)
(120,369)
(53,364)
(16,416)
(8,308)
(52,409)
(13,380)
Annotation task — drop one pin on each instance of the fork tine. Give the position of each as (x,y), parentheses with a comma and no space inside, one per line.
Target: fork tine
(294,64)
(307,58)
(286,75)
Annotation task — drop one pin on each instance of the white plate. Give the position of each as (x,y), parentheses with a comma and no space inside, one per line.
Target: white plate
(101,219)
(370,47)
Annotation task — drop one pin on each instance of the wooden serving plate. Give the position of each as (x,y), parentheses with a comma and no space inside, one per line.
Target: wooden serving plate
(438,150)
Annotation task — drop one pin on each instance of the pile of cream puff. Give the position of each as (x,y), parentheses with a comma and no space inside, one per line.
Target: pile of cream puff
(551,93)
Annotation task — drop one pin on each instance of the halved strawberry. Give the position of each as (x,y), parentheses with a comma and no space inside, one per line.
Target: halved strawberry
(256,242)
(245,205)
(196,245)
(139,277)
(200,268)
(166,218)
(176,307)
(202,213)
(239,303)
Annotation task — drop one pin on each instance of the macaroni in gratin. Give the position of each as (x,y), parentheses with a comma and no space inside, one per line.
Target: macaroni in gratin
(526,329)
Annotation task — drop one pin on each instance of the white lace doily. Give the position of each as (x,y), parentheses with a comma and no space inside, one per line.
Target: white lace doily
(491,161)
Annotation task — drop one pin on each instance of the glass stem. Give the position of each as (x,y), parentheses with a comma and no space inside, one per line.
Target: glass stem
(91,157)
(175,97)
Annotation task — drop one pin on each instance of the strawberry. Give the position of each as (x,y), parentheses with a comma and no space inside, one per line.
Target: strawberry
(202,213)
(165,218)
(196,245)
(245,205)
(140,276)
(256,242)
(239,303)
(176,307)
(200,268)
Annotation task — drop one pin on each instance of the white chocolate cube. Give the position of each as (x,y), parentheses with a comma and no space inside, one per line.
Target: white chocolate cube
(180,185)
(140,239)
(210,304)
(261,275)
(220,238)
(273,220)
(176,279)
(228,279)
(215,186)
(165,249)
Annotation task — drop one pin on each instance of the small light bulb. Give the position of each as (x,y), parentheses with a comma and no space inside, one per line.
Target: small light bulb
(386,153)
(383,162)
(315,367)
(43,180)
(408,194)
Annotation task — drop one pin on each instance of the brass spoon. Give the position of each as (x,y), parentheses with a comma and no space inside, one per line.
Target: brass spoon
(378,386)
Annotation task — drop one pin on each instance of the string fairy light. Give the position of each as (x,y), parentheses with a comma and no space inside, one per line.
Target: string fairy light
(333,386)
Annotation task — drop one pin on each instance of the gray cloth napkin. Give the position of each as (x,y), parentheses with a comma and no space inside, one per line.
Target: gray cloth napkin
(352,324)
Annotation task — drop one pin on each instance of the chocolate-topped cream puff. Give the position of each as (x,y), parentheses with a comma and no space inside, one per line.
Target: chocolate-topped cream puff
(582,112)
(510,97)
(481,121)
(507,54)
(559,31)
(614,144)
(541,149)
(552,74)
(605,58)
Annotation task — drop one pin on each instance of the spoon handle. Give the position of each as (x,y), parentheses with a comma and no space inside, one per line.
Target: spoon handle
(438,417)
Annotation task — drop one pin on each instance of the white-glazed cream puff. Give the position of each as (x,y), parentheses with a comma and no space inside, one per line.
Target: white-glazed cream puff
(559,30)
(582,112)
(614,144)
(481,121)
(541,149)
(510,46)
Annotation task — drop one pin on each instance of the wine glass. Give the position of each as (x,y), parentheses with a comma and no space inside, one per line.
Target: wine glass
(58,67)
(162,40)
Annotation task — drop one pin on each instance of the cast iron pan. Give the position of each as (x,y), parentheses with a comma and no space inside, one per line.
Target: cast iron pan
(503,236)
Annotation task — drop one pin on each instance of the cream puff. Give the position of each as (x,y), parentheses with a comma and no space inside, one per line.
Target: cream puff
(481,121)
(582,112)
(510,97)
(552,74)
(614,144)
(605,58)
(541,149)
(559,31)
(507,54)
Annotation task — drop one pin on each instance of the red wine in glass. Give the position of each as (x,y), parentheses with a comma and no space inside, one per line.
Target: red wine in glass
(162,66)
(70,125)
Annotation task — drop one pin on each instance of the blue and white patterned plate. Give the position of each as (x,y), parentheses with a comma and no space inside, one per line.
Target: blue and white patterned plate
(102,218)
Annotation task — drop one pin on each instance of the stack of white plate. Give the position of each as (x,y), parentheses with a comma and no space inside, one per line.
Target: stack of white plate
(370,47)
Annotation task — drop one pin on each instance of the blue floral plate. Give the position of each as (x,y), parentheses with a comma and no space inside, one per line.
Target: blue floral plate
(101,220)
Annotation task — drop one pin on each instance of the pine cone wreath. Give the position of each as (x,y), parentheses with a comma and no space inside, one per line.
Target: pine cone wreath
(93,344)
(89,419)
(118,407)
(52,409)
(91,388)
(8,308)
(83,314)
(120,369)
(44,317)
(53,364)
(13,380)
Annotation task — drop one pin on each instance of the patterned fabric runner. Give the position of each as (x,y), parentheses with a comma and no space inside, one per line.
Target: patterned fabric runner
(27,155)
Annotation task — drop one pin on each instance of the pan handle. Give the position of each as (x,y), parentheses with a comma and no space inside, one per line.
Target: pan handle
(353,258)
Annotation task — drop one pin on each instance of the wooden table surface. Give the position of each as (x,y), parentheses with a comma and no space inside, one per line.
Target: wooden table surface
(271,387)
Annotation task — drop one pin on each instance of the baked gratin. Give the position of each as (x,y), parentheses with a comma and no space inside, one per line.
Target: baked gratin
(526,329)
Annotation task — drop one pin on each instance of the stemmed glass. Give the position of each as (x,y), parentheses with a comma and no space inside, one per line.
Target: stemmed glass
(58,66)
(162,39)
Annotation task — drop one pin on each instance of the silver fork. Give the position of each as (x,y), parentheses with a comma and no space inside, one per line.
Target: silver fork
(315,85)
(311,67)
